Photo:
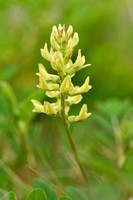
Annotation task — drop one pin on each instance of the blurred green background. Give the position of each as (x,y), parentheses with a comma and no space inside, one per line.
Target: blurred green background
(105,140)
(105,29)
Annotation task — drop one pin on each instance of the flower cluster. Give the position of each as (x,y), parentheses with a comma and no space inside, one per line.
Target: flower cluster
(58,86)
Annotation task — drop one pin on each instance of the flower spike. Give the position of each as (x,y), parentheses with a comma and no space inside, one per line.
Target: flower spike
(56,86)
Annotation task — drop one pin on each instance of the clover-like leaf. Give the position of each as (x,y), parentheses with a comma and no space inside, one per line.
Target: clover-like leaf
(37,194)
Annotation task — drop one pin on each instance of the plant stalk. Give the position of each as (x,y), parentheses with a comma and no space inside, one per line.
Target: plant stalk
(71,141)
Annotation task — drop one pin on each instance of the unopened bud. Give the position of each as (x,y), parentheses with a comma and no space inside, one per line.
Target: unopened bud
(69,31)
(53,42)
(60,29)
(57,62)
(66,85)
(45,53)
(75,39)
(55,32)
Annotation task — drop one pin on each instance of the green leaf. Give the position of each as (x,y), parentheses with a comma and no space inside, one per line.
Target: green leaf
(10,99)
(106,192)
(76,194)
(11,196)
(40,183)
(7,195)
(37,194)
(64,198)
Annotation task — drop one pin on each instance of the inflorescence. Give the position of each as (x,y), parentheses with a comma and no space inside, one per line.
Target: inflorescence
(60,86)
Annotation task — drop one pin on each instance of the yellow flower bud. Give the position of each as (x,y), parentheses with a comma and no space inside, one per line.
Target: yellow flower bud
(53,42)
(46,75)
(45,53)
(69,31)
(60,29)
(51,52)
(66,85)
(64,32)
(46,86)
(79,90)
(69,49)
(55,32)
(75,39)
(49,108)
(79,63)
(83,115)
(80,60)
(38,106)
(53,94)
(57,62)
(71,68)
(74,99)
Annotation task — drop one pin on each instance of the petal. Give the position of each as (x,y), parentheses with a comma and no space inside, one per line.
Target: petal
(46,86)
(69,31)
(79,90)
(45,53)
(53,42)
(69,49)
(49,108)
(75,39)
(53,94)
(74,99)
(55,32)
(38,106)
(46,75)
(83,115)
(66,85)
(57,62)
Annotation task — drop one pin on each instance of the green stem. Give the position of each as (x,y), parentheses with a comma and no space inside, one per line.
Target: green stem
(71,141)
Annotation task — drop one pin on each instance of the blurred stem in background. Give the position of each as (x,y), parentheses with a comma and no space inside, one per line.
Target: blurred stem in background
(118,140)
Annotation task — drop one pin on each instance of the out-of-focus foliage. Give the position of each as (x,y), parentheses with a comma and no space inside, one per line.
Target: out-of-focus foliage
(33,146)
(105,29)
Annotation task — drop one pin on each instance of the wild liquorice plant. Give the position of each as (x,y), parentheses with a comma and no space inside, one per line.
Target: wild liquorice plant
(60,86)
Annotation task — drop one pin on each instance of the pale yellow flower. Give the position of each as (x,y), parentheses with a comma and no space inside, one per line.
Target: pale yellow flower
(45,53)
(69,32)
(57,62)
(83,89)
(75,39)
(49,108)
(46,75)
(53,94)
(38,106)
(74,99)
(66,85)
(53,42)
(83,115)
(46,85)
